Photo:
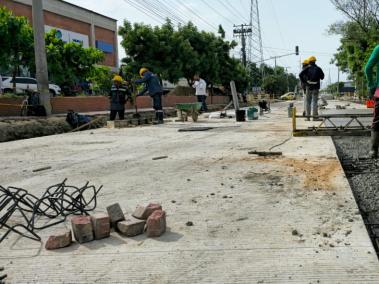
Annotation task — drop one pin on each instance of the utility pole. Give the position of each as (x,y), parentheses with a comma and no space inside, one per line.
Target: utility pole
(338,81)
(40,55)
(242,31)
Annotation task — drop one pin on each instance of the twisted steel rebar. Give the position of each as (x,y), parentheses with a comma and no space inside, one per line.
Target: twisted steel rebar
(57,202)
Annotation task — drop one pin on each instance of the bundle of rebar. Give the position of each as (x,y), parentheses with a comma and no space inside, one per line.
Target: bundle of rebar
(19,209)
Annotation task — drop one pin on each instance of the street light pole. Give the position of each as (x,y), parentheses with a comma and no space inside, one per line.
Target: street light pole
(40,55)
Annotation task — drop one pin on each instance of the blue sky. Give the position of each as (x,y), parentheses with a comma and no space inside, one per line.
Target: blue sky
(284,24)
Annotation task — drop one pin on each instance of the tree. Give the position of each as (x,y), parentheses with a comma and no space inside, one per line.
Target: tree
(184,52)
(359,36)
(275,84)
(18,49)
(70,62)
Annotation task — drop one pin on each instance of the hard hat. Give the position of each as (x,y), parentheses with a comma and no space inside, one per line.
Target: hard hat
(305,62)
(117,78)
(142,70)
(312,59)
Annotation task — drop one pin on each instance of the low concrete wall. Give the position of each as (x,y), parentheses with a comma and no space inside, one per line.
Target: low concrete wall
(11,106)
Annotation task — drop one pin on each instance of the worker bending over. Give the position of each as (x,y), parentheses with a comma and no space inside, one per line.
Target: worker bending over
(312,76)
(117,97)
(153,86)
(373,84)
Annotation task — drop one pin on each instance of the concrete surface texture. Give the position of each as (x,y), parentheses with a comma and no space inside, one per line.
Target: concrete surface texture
(288,219)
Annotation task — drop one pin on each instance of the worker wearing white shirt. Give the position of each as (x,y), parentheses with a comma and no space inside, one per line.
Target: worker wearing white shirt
(201,92)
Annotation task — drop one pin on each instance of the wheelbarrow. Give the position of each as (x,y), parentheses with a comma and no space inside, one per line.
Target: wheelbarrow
(186,109)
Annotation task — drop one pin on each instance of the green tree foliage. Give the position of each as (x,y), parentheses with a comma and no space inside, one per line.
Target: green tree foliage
(175,54)
(101,77)
(333,88)
(70,62)
(16,42)
(359,35)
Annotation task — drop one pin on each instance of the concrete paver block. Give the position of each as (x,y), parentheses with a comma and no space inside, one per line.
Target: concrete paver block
(115,214)
(82,228)
(143,212)
(131,226)
(101,225)
(156,224)
(58,240)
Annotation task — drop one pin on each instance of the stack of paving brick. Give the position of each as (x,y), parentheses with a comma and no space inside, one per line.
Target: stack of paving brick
(150,218)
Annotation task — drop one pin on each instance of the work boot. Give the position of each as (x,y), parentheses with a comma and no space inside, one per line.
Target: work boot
(374,144)
(160,117)
(156,119)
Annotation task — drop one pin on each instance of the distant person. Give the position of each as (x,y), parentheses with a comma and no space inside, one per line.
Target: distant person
(312,76)
(373,85)
(90,88)
(154,87)
(117,98)
(201,92)
(303,82)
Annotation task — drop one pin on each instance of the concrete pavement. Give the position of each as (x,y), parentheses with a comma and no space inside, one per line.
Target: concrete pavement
(289,219)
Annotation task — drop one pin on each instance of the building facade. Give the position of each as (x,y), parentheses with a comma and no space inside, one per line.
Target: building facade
(74,24)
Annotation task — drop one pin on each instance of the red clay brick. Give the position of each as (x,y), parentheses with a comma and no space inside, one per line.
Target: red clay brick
(156,224)
(131,226)
(143,212)
(101,225)
(82,228)
(58,240)
(115,214)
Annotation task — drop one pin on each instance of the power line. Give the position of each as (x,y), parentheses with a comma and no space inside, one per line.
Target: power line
(214,10)
(231,10)
(153,8)
(145,11)
(198,16)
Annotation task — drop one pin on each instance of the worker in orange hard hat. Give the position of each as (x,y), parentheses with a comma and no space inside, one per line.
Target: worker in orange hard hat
(312,76)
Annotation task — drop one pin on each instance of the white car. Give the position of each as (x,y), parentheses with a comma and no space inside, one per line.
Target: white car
(27,83)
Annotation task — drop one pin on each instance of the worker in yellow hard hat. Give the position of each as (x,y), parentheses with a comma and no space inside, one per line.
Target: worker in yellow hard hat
(303,82)
(117,98)
(154,87)
(312,76)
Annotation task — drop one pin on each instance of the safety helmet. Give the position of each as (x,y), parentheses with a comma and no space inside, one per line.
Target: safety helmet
(117,78)
(312,59)
(305,62)
(142,70)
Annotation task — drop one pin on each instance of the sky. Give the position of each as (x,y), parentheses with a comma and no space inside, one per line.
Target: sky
(284,24)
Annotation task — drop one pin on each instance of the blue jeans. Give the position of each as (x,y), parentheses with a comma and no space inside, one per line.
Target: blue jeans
(203,99)
(157,101)
(311,102)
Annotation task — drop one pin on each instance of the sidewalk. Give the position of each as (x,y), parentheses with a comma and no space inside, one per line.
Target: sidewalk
(287,219)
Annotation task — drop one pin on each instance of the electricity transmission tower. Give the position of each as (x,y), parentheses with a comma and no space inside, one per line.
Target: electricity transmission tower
(255,46)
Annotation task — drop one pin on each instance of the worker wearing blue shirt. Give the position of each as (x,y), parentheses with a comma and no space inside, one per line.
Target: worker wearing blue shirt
(153,86)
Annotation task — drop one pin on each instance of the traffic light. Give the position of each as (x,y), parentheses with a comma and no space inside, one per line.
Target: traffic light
(297,50)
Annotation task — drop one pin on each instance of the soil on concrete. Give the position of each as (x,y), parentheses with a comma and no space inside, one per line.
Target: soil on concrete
(363,176)
(318,174)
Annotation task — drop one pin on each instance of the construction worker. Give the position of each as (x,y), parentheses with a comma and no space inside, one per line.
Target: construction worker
(304,83)
(312,76)
(373,85)
(201,92)
(153,86)
(117,98)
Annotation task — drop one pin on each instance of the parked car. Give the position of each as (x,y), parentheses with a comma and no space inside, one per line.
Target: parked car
(26,83)
(288,96)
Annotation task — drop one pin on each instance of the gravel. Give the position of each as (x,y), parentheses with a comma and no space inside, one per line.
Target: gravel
(363,176)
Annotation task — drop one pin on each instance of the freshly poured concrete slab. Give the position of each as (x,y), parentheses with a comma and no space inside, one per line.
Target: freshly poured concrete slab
(288,219)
